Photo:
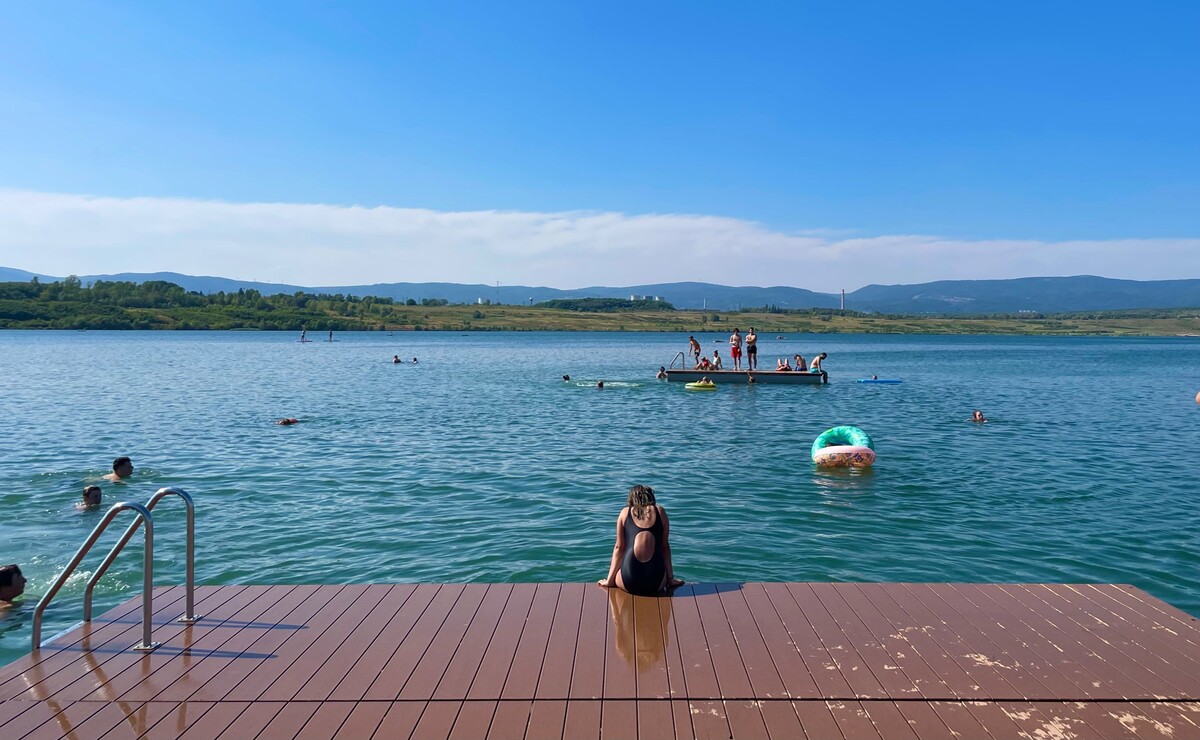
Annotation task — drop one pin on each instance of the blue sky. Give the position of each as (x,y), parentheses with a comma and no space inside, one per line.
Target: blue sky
(965,123)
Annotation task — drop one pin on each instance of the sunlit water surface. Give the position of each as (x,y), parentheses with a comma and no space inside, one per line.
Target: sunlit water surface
(481,464)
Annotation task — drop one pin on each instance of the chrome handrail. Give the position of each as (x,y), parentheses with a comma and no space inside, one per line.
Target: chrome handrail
(682,360)
(147,573)
(188,616)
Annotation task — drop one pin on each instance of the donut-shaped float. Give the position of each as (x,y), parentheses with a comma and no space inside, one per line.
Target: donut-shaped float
(700,386)
(843,447)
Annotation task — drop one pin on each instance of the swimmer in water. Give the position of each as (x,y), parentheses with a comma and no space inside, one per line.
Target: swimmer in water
(414,360)
(662,373)
(122,469)
(600,385)
(396,360)
(91,498)
(874,377)
(288,421)
(12,583)
(978,416)
(566,378)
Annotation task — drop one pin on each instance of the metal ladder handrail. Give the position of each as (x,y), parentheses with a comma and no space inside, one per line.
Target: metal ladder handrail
(147,573)
(188,616)
(682,360)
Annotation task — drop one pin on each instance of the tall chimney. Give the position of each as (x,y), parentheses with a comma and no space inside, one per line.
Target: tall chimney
(843,299)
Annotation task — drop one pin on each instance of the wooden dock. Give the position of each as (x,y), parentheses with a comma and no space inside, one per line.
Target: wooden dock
(549,660)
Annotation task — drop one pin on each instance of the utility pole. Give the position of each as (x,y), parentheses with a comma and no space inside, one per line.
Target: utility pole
(843,299)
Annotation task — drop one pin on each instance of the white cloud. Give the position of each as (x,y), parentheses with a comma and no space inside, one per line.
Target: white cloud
(312,244)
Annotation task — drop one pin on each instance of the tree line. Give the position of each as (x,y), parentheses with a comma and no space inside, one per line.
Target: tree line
(157,304)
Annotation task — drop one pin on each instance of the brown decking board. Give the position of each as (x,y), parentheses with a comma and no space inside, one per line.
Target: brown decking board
(741,660)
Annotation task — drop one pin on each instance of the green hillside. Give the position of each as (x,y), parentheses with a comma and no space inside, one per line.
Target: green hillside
(162,305)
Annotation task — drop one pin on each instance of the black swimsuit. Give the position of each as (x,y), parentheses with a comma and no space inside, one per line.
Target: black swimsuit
(643,579)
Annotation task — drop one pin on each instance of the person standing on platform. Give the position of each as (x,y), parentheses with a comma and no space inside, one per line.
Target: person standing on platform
(735,348)
(751,350)
(694,348)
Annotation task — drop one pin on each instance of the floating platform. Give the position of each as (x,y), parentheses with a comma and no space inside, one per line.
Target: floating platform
(742,377)
(550,660)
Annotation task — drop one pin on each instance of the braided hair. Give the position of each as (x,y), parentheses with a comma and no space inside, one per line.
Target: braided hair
(639,498)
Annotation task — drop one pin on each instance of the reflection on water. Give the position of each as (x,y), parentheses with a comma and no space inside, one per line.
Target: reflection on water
(843,480)
(639,627)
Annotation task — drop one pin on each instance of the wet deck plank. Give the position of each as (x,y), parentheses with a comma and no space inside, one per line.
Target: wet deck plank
(533,661)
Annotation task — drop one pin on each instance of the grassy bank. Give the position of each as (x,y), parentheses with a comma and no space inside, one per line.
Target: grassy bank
(158,305)
(523,318)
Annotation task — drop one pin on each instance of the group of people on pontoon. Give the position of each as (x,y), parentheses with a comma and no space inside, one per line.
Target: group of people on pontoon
(783,366)
(750,341)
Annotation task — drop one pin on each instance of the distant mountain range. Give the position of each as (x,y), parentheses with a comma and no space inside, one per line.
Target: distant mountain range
(1039,294)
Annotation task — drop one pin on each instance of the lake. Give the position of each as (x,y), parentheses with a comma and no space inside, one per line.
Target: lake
(481,464)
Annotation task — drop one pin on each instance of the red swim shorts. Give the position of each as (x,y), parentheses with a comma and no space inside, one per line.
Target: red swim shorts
(735,350)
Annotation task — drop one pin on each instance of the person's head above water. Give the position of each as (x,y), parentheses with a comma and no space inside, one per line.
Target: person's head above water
(640,497)
(12,582)
(977,415)
(600,385)
(122,468)
(91,497)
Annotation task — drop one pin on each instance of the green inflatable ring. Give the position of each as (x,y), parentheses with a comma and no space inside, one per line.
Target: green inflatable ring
(843,435)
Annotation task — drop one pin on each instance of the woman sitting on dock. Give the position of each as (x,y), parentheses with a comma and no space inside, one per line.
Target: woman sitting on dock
(641,561)
(782,366)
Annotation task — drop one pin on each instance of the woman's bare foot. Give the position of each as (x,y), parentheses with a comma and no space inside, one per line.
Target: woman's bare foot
(675,583)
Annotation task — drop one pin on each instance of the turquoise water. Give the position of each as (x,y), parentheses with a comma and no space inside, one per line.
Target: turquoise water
(482,464)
